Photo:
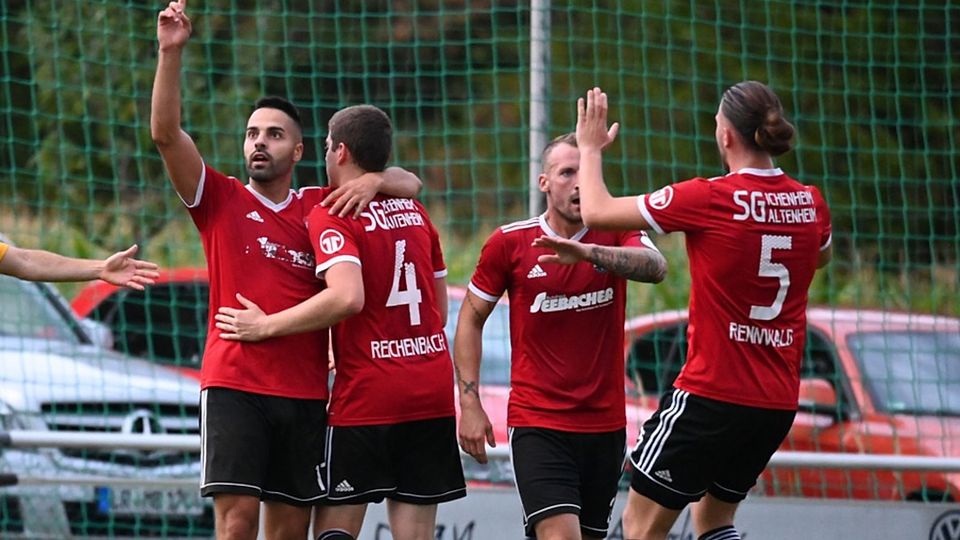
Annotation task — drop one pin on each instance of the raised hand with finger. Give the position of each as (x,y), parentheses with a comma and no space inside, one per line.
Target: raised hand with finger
(173,25)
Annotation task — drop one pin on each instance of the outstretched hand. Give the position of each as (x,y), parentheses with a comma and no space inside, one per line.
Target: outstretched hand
(566,251)
(592,130)
(248,324)
(173,25)
(123,270)
(354,195)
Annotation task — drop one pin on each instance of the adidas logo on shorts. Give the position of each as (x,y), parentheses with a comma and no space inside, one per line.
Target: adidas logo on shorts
(664,475)
(536,272)
(344,487)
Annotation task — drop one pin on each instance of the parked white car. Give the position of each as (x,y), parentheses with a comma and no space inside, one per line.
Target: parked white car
(54,378)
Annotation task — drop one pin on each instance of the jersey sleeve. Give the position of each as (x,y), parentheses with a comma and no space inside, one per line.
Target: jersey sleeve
(333,239)
(636,239)
(213,190)
(823,219)
(490,279)
(436,251)
(3,250)
(677,207)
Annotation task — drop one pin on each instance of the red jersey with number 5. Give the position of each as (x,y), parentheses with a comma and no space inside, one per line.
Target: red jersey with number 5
(753,239)
(392,359)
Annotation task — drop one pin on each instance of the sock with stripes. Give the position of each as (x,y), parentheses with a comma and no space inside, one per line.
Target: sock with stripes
(335,534)
(721,533)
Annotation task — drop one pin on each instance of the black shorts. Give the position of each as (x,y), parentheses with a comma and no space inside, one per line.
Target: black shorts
(693,445)
(415,462)
(560,472)
(265,446)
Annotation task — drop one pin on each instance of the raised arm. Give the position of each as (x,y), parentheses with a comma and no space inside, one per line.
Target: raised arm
(119,269)
(180,155)
(598,208)
(356,195)
(475,426)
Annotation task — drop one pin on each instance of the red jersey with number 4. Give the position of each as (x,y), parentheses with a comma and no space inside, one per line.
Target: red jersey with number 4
(393,360)
(261,250)
(753,240)
(566,328)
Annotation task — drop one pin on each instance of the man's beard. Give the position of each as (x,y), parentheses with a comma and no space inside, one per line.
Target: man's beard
(266,174)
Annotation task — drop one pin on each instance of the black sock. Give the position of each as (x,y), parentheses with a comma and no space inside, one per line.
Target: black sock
(336,534)
(721,533)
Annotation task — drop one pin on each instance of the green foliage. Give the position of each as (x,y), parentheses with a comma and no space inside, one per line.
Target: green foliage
(870,87)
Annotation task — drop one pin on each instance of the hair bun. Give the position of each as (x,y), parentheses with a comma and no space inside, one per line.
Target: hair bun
(774,134)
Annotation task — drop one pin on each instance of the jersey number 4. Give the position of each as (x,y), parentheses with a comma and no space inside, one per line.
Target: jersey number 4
(411,296)
(768,268)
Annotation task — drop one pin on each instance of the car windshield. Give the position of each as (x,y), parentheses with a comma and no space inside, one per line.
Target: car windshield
(495,367)
(27,312)
(915,372)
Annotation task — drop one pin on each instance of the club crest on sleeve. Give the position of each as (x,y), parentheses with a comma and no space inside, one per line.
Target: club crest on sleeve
(330,241)
(661,198)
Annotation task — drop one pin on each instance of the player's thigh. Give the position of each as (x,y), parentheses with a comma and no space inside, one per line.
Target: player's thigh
(412,521)
(755,436)
(675,458)
(297,437)
(344,517)
(546,472)
(427,462)
(357,467)
(235,442)
(601,459)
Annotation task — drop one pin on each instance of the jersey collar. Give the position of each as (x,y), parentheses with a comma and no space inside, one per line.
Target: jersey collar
(550,232)
(759,172)
(276,207)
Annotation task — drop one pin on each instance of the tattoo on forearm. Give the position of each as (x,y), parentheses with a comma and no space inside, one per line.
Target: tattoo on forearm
(644,265)
(468,387)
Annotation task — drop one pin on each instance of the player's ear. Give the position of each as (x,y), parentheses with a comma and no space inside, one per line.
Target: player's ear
(726,137)
(343,154)
(544,183)
(298,152)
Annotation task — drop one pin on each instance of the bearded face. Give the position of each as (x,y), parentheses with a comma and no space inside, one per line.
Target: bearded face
(271,145)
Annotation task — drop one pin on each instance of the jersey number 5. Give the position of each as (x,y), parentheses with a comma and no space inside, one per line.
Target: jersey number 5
(768,268)
(411,296)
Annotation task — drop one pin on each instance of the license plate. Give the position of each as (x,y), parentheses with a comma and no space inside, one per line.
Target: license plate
(151,502)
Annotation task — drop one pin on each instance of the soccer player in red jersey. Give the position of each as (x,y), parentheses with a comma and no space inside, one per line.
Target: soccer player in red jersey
(392,427)
(263,405)
(567,289)
(754,238)
(119,269)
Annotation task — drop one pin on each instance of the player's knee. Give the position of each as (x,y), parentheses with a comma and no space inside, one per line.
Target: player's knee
(335,534)
(721,533)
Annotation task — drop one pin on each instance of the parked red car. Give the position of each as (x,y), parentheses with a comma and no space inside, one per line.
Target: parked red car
(872,383)
(166,323)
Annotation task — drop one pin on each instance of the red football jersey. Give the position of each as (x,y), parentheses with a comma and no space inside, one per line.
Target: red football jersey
(566,328)
(261,250)
(753,240)
(393,360)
